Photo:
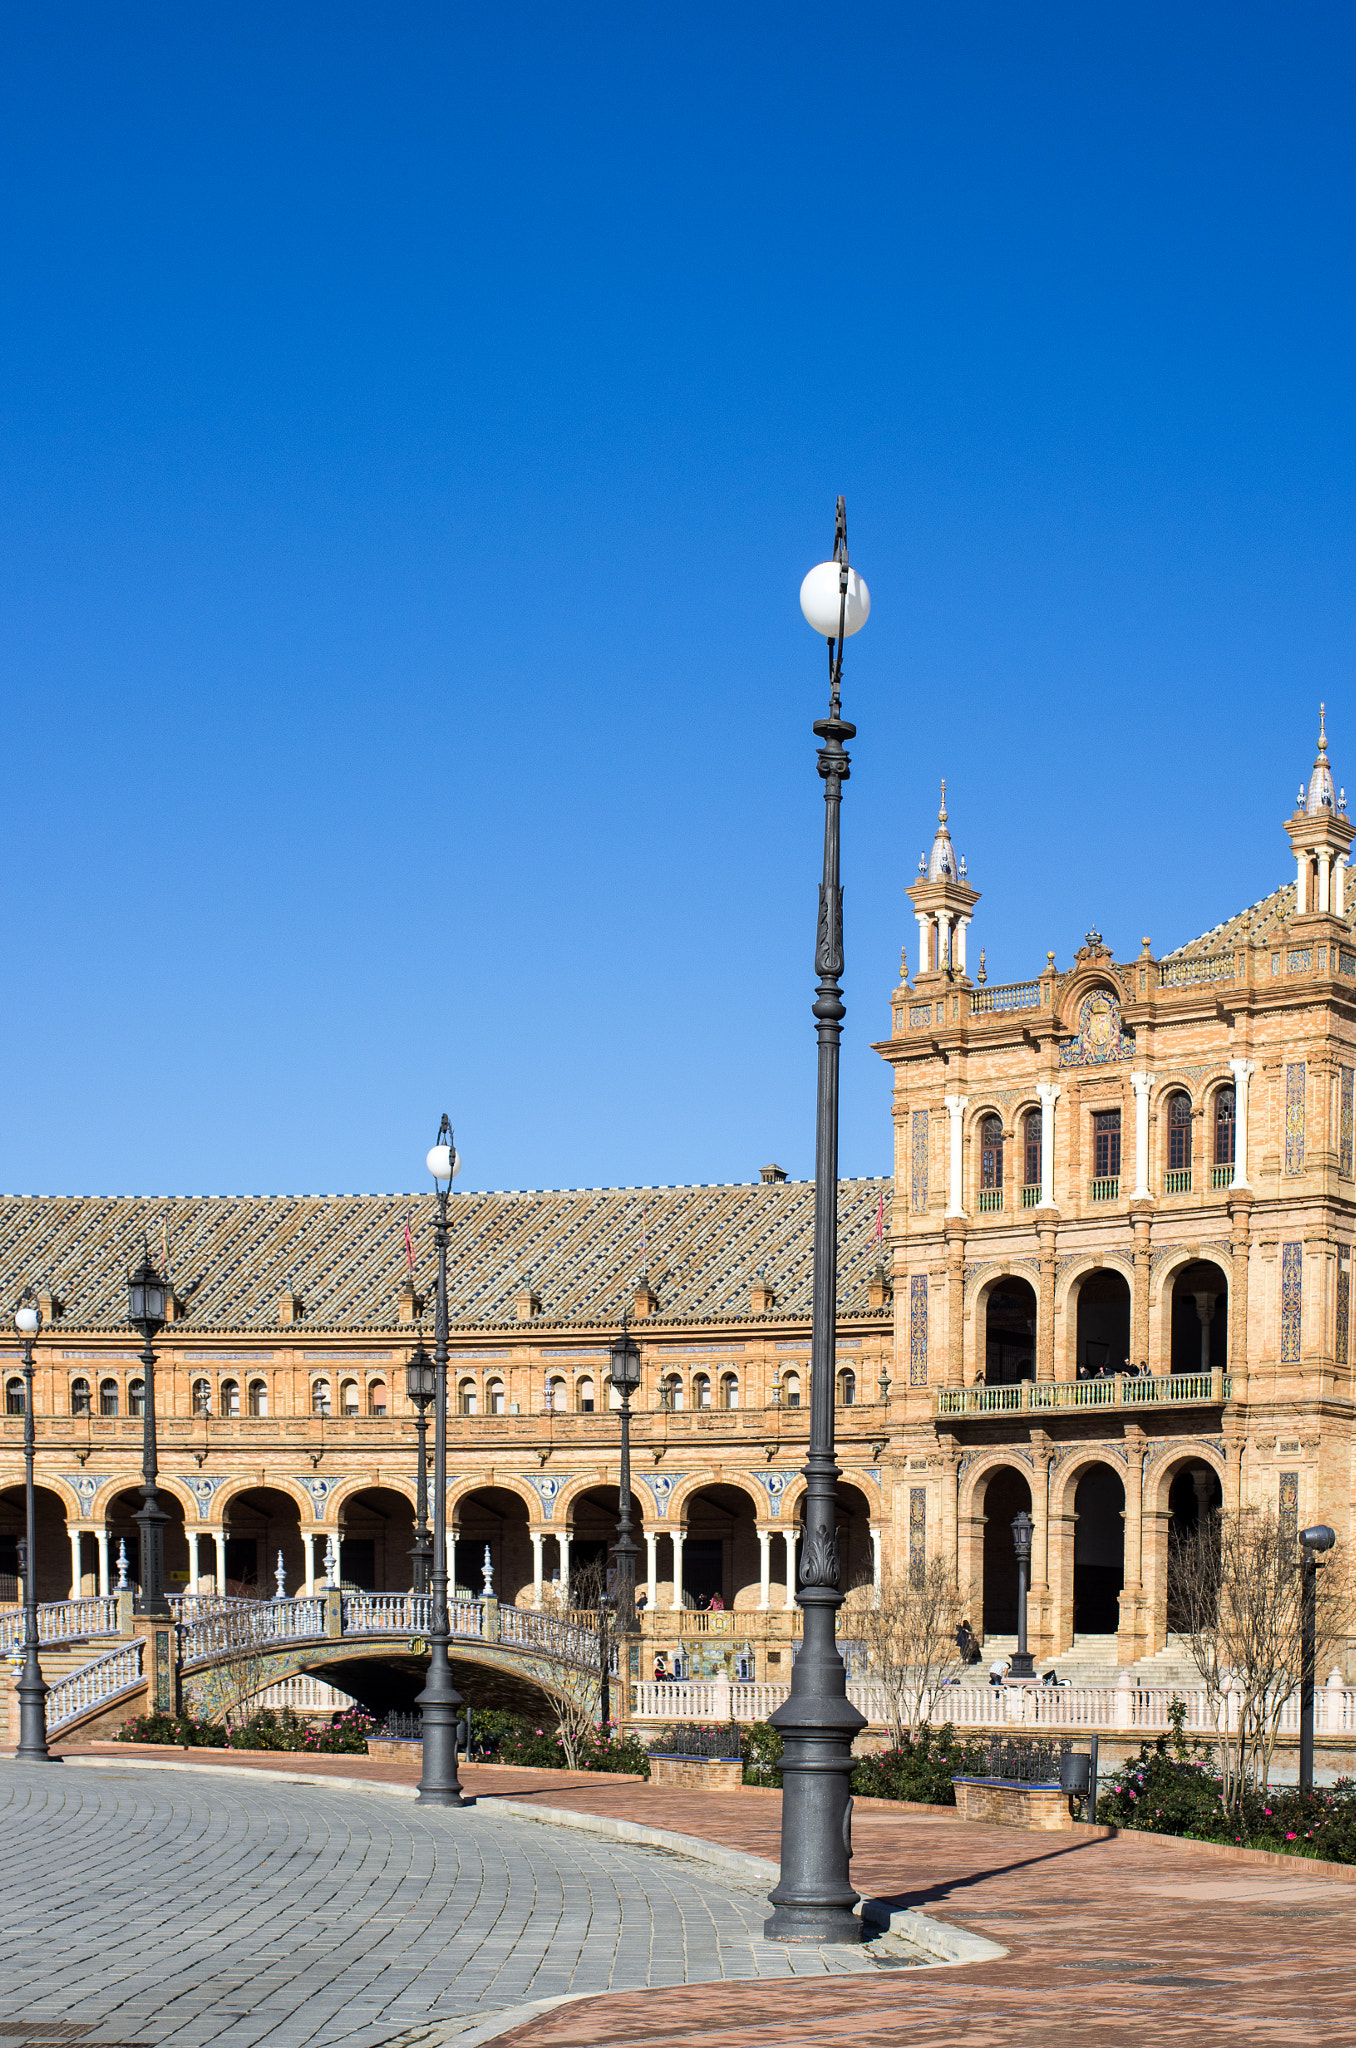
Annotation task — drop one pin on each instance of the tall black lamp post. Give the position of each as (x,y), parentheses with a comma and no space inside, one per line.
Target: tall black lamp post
(1022,1664)
(817,1722)
(422,1386)
(439,1785)
(146,1300)
(32,1687)
(625,1376)
(1313,1541)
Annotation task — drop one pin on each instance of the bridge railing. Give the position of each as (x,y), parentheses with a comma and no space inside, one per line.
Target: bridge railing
(63,1621)
(96,1684)
(249,1625)
(401,1614)
(572,1642)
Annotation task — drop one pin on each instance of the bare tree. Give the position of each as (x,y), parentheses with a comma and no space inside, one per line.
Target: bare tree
(908,1627)
(575,1641)
(1236,1590)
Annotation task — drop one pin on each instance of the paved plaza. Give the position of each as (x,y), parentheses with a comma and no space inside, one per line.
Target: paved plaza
(187,1907)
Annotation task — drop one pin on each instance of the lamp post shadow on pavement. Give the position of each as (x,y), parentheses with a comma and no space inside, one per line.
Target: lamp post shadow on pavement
(814,1897)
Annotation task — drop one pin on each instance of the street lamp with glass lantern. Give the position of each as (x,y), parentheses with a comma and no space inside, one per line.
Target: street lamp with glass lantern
(1021,1664)
(439,1784)
(817,1722)
(422,1386)
(1313,1542)
(624,1373)
(32,1687)
(147,1296)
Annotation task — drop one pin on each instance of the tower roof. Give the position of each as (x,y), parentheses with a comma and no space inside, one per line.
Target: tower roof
(1321,796)
(941,864)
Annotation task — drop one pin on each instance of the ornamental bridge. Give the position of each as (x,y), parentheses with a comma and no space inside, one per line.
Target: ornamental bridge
(215,1653)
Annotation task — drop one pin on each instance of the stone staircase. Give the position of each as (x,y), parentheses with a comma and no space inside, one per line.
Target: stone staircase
(1092,1661)
(57,1662)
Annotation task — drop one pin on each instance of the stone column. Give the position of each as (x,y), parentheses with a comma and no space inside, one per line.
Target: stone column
(944,918)
(875,1560)
(1141,1083)
(1240,1226)
(676,1598)
(652,1569)
(536,1537)
(1141,1221)
(955,1109)
(924,924)
(955,1304)
(310,1537)
(1324,858)
(1130,1637)
(764,1568)
(1205,1315)
(77,1573)
(105,1577)
(1339,885)
(192,1535)
(1301,883)
(1045,1299)
(1242,1073)
(789,1537)
(962,926)
(1038,1592)
(1049,1092)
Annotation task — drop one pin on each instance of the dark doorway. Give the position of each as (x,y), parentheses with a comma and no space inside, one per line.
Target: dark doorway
(1010,1334)
(242,1564)
(1006,1494)
(703,1568)
(1198,1346)
(1195,1498)
(357,1562)
(1099,1552)
(1103,1324)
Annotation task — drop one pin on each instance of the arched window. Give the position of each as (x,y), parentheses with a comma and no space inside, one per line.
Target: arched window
(847,1388)
(556,1403)
(108,1397)
(14,1397)
(729,1390)
(791,1389)
(671,1391)
(320,1397)
(202,1397)
(376,1397)
(348,1397)
(991,1162)
(583,1395)
(466,1398)
(230,1397)
(1179,1143)
(80,1397)
(1031,1149)
(1224,1136)
(258,1397)
(136,1397)
(701,1390)
(494,1397)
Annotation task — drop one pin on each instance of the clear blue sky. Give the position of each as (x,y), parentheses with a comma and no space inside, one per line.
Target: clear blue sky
(416,423)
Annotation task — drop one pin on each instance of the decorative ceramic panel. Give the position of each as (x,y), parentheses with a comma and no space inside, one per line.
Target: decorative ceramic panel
(1289,1505)
(774,1484)
(1295,1077)
(918,1534)
(1342,1335)
(1299,960)
(1292,1302)
(918,1330)
(85,1485)
(1345,1126)
(919,1013)
(919,1158)
(1100,1037)
(319,1490)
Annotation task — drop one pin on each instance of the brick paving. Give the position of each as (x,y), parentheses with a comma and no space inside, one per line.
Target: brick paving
(1119,1940)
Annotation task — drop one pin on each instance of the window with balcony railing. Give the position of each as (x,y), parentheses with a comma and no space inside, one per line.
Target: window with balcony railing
(1222,1176)
(1106,1187)
(1106,1155)
(1031,1196)
(1031,1147)
(1178,1178)
(1177,1181)
(991,1163)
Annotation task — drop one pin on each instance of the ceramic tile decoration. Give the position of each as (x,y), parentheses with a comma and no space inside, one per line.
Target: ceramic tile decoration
(1288,1506)
(1295,1077)
(919,1161)
(1100,1037)
(1342,1337)
(1345,1127)
(918,1533)
(918,1330)
(1292,1302)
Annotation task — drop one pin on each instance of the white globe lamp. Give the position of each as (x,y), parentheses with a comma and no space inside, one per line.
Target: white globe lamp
(820,600)
(443,1162)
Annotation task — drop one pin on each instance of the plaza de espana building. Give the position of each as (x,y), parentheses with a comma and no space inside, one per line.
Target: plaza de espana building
(1108,1280)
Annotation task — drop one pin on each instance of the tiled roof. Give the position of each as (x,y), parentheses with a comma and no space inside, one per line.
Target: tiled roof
(582,1249)
(1248,927)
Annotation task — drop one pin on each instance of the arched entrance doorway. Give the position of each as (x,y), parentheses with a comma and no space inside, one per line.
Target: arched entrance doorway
(1006,1493)
(1099,1552)
(1195,1498)
(123,1529)
(258,1525)
(493,1518)
(376,1534)
(720,1548)
(53,1578)
(1103,1328)
(1200,1318)
(1010,1333)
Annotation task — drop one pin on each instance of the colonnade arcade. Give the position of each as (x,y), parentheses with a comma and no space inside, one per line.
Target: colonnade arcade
(1104,1518)
(1091,1326)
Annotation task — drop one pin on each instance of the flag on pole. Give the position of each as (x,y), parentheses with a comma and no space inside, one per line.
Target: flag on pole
(409,1247)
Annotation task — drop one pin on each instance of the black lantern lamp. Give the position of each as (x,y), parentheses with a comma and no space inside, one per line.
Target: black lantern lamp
(32,1687)
(1313,1542)
(624,1373)
(439,1784)
(421,1384)
(1022,1665)
(147,1302)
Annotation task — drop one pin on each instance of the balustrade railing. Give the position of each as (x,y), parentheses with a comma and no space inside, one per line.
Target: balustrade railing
(250,1625)
(1116,1390)
(95,1684)
(65,1621)
(1181,973)
(1005,995)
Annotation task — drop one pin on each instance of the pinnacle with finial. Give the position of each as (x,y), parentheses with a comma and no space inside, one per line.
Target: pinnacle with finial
(1322,729)
(942,813)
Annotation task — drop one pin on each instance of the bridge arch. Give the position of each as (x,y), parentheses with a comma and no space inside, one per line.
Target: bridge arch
(220,1504)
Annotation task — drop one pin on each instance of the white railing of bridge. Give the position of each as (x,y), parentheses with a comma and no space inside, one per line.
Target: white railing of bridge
(65,1621)
(401,1614)
(95,1684)
(249,1625)
(570,1642)
(193,1606)
(302,1694)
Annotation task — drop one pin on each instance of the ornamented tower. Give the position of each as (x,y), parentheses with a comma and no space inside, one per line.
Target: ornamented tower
(1321,835)
(943,903)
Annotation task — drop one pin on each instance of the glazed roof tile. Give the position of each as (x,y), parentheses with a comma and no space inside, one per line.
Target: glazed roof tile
(582,1250)
(1247,927)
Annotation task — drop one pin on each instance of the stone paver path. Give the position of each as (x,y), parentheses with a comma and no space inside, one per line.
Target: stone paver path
(199,1907)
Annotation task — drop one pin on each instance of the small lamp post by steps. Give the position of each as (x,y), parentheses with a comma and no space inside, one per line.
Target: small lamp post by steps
(1313,1542)
(147,1298)
(421,1384)
(32,1687)
(814,1897)
(439,1784)
(1022,1664)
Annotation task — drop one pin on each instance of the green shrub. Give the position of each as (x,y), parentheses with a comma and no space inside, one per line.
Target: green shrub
(920,1769)
(760,1747)
(183,1729)
(524,1742)
(1182,1794)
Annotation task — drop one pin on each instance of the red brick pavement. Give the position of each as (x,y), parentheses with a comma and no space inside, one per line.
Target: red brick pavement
(1111,1941)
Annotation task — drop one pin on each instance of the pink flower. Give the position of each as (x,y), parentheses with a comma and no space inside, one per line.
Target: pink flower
(1290,1838)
